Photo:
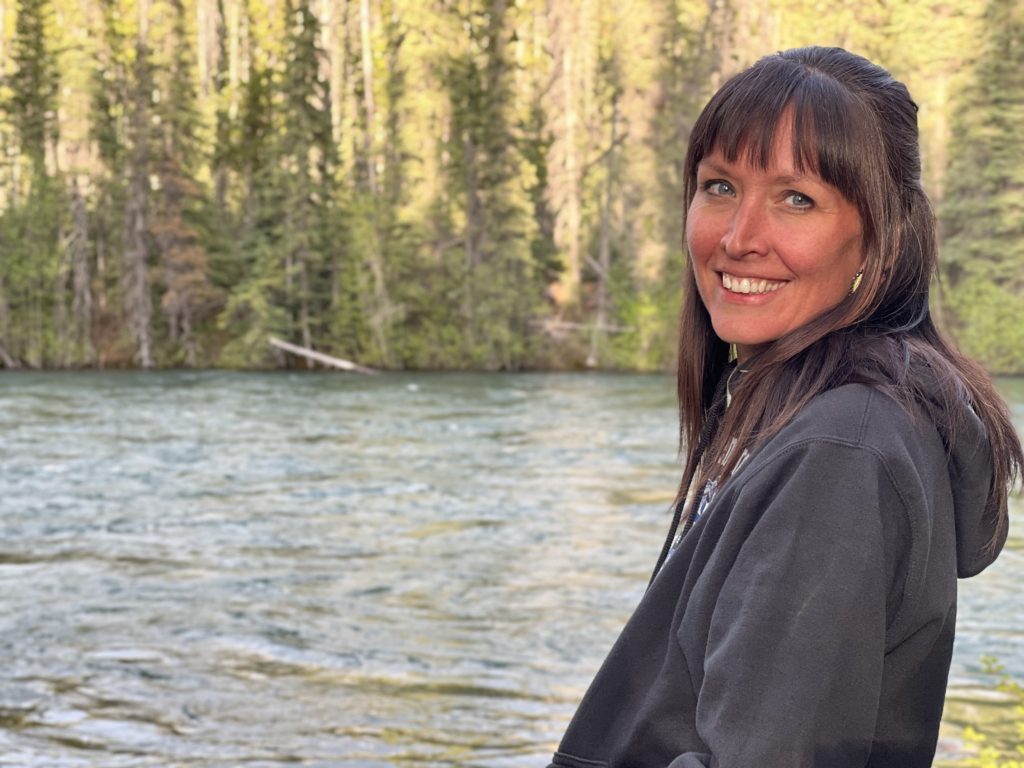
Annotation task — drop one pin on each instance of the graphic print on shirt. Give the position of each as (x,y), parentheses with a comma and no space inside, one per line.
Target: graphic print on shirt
(705,499)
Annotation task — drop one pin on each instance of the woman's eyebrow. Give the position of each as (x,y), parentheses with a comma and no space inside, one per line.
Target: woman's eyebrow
(787,177)
(797,178)
(713,167)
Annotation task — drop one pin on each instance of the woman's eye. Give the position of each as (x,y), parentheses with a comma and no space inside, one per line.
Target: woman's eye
(799,200)
(718,187)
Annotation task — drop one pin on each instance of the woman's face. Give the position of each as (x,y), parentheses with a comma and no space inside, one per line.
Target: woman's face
(771,249)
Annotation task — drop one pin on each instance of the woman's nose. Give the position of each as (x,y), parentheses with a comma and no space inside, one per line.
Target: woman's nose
(746,233)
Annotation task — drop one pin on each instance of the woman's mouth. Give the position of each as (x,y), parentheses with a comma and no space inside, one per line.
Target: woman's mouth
(749,284)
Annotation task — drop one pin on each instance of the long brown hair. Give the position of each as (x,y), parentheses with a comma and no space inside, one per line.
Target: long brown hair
(856,127)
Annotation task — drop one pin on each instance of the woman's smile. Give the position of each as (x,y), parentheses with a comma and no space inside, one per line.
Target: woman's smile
(750,286)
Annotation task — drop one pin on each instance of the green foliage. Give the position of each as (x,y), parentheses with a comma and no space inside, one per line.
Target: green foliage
(472,184)
(33,296)
(32,104)
(989,753)
(31,276)
(180,208)
(291,257)
(990,319)
(490,210)
(983,215)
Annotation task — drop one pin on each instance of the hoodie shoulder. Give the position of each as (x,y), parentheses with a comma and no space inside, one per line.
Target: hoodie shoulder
(939,479)
(858,415)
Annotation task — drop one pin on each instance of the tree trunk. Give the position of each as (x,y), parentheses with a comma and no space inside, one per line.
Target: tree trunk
(368,101)
(5,329)
(138,305)
(137,302)
(319,357)
(567,41)
(572,173)
(604,246)
(469,238)
(380,317)
(222,83)
(81,288)
(328,38)
(304,317)
(62,332)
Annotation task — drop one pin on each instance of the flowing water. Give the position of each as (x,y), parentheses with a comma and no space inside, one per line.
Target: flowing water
(218,569)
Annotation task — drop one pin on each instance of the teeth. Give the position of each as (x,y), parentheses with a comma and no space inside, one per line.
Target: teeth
(746,285)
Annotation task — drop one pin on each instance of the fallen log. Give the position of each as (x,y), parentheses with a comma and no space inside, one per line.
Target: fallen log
(320,357)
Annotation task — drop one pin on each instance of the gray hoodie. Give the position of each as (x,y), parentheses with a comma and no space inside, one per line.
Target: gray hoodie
(807,618)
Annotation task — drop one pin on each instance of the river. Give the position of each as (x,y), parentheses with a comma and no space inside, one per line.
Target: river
(218,569)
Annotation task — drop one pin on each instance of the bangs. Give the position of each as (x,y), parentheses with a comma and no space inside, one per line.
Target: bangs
(829,129)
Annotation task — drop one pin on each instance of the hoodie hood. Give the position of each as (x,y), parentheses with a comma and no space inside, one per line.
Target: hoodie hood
(970,476)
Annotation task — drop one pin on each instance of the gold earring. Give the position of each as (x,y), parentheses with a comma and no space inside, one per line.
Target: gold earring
(855,283)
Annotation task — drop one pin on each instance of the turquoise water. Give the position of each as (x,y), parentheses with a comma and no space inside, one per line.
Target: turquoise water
(213,569)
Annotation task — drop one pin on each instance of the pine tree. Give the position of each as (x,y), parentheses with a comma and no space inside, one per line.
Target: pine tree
(109,132)
(187,298)
(255,275)
(291,215)
(681,64)
(307,155)
(77,247)
(32,105)
(135,236)
(491,213)
(376,191)
(396,280)
(983,223)
(30,275)
(220,160)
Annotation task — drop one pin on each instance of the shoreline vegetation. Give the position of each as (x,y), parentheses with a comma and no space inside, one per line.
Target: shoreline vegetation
(471,185)
(987,730)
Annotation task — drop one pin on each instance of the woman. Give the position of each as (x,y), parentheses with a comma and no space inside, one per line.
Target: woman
(840,474)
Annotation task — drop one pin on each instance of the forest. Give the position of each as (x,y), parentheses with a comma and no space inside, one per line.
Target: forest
(436,184)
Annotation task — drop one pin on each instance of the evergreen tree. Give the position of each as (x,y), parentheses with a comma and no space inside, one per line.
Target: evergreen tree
(400,237)
(135,236)
(647,288)
(31,293)
(109,131)
(220,160)
(187,298)
(255,275)
(293,215)
(79,265)
(308,157)
(32,104)
(983,224)
(361,285)
(495,324)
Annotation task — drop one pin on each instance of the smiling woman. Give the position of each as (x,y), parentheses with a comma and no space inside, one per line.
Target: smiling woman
(839,477)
